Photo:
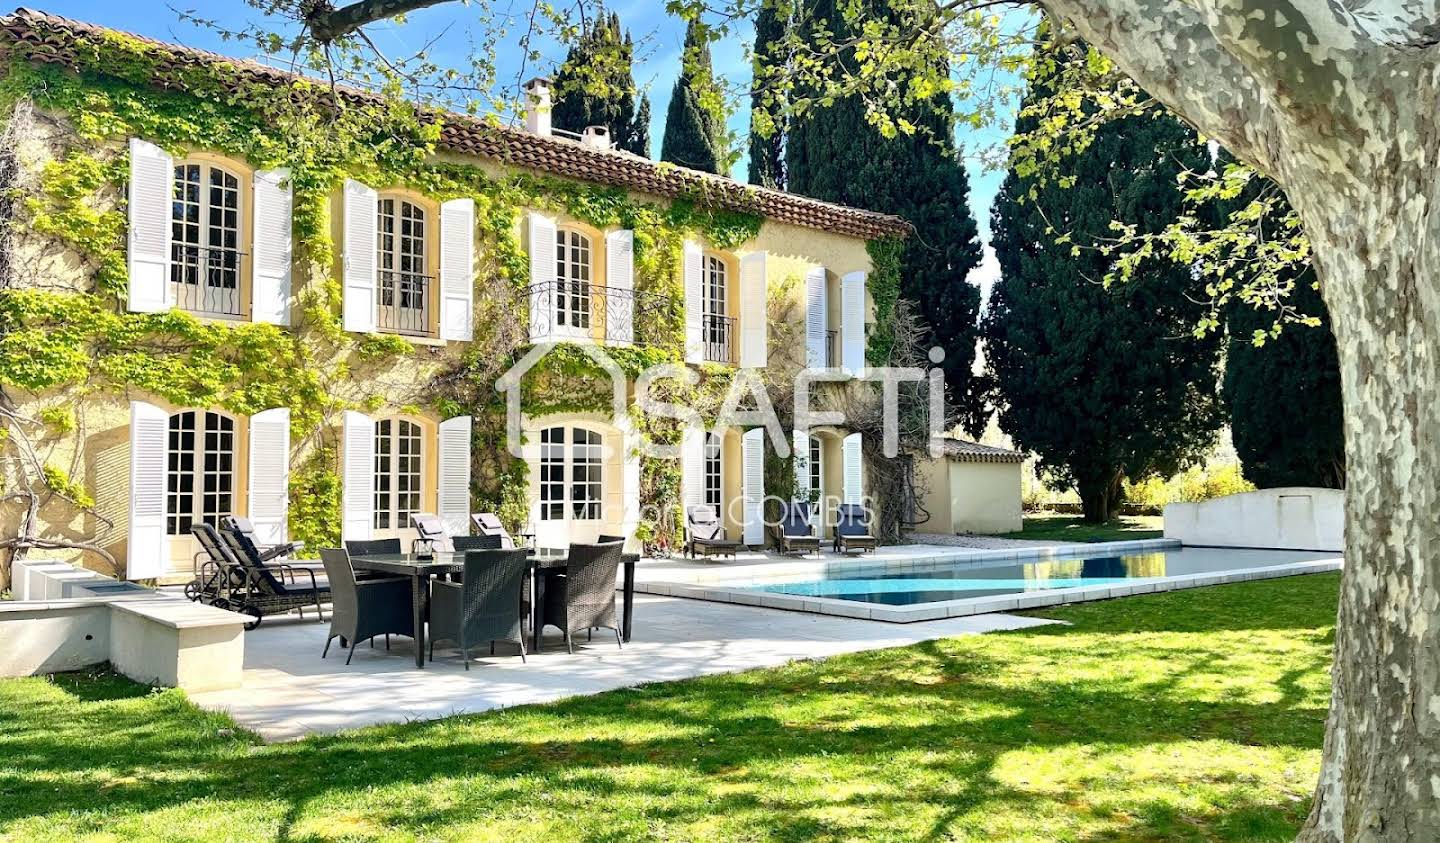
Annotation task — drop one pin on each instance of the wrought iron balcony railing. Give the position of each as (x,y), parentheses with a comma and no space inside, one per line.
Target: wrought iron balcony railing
(404,303)
(571,310)
(205,279)
(718,335)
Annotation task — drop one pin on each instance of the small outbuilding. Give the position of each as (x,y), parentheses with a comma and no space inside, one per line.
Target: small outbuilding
(973,488)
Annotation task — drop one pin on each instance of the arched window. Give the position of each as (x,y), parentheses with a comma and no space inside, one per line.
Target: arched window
(713,471)
(401,261)
(715,325)
(205,239)
(572,280)
(200,470)
(571,474)
(399,472)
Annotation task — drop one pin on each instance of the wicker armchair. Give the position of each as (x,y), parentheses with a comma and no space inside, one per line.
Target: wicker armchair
(584,598)
(796,533)
(373,547)
(704,535)
(852,529)
(462,544)
(484,606)
(269,588)
(360,610)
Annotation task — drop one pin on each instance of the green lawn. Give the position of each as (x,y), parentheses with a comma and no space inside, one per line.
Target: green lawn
(1193,715)
(1071,528)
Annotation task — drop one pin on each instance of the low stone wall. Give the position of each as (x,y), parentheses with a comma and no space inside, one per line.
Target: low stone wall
(66,618)
(1296,518)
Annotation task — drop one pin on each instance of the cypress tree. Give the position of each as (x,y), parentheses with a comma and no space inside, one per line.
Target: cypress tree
(1101,383)
(694,123)
(1284,397)
(595,86)
(767,118)
(832,153)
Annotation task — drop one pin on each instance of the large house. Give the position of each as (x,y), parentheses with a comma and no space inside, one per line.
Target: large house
(348,314)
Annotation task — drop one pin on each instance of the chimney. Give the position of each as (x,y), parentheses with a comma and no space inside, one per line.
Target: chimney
(537,112)
(596,137)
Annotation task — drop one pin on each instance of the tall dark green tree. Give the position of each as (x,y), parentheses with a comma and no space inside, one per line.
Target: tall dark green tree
(1284,397)
(695,122)
(832,153)
(595,86)
(1101,383)
(767,113)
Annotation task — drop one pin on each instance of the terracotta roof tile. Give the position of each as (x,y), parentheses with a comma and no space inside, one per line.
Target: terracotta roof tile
(46,38)
(964,450)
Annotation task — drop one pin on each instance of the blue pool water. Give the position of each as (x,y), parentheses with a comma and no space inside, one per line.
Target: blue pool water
(958,580)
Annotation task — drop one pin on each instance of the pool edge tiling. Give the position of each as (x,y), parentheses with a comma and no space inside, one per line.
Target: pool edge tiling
(711,583)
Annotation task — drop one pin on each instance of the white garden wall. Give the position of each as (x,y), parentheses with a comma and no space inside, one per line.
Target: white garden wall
(67,618)
(1296,518)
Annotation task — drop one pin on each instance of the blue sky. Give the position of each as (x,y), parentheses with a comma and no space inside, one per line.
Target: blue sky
(659,51)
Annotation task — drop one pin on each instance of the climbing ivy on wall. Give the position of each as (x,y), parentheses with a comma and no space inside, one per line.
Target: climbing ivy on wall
(83,340)
(884,286)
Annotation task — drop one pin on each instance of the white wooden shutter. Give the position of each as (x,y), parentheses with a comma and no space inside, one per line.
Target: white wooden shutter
(269,490)
(358,476)
(453,496)
(851,464)
(270,260)
(800,453)
(359,275)
(754,330)
(620,278)
(542,276)
(457,270)
(852,323)
(152,187)
(817,318)
(691,272)
(146,554)
(692,466)
(752,456)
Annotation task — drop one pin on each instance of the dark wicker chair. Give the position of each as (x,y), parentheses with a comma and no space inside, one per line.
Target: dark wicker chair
(373,547)
(270,588)
(360,610)
(484,606)
(796,532)
(489,524)
(584,599)
(462,544)
(703,534)
(852,529)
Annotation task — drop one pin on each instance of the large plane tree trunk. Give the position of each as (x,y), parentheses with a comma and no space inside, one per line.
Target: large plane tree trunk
(1336,100)
(1379,261)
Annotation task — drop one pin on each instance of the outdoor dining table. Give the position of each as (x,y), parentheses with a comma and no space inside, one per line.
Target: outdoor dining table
(421,567)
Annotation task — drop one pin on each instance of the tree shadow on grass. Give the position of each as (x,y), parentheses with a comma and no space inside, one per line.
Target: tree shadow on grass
(969,718)
(906,738)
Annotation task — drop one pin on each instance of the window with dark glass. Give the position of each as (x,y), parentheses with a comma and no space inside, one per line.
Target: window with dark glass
(205,240)
(200,470)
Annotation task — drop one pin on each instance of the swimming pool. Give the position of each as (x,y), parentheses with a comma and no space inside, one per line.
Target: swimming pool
(937,582)
(919,582)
